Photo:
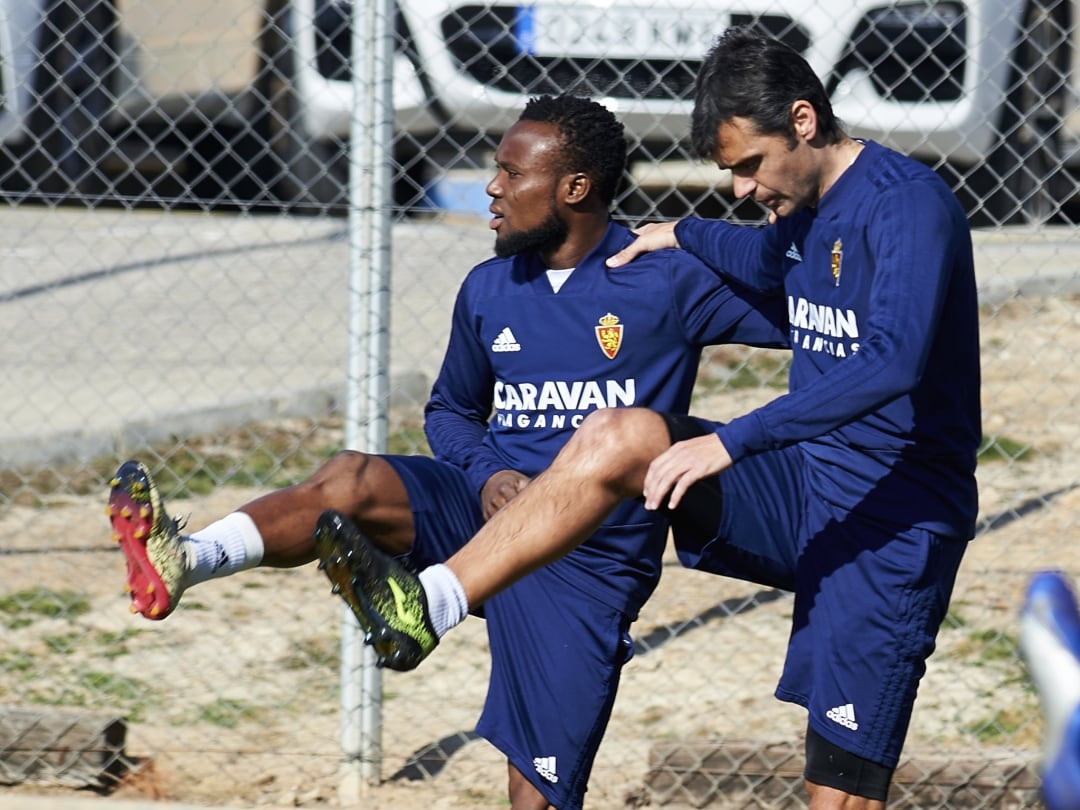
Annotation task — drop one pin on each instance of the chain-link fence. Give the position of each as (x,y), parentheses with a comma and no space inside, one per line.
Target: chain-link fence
(176,287)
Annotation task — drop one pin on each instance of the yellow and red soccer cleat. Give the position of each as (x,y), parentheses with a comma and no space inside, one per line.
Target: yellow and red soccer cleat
(150,539)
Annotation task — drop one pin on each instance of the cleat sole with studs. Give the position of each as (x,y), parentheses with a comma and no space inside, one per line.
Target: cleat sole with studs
(132,517)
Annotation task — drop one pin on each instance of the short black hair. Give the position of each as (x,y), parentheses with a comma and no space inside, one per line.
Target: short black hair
(747,75)
(593,138)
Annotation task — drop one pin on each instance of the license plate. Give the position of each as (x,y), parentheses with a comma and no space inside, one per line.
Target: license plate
(617,32)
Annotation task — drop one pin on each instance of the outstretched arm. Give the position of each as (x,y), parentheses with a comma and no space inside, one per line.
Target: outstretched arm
(916,245)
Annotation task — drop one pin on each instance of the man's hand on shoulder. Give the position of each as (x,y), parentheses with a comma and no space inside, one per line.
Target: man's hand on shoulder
(500,489)
(654,236)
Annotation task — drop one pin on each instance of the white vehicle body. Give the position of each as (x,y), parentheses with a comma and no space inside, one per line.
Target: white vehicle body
(937,79)
(941,124)
(195,59)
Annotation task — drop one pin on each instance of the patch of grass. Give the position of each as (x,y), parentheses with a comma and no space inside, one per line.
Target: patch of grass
(45,602)
(410,440)
(266,454)
(270,454)
(17,661)
(1002,728)
(111,686)
(995,645)
(652,714)
(92,689)
(772,375)
(229,713)
(64,644)
(989,646)
(953,621)
(114,644)
(732,367)
(1002,448)
(307,653)
(479,795)
(189,473)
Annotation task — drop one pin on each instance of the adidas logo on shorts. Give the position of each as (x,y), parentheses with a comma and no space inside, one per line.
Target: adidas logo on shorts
(545,766)
(844,715)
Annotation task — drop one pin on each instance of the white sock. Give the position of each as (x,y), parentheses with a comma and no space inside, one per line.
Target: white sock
(224,547)
(447,605)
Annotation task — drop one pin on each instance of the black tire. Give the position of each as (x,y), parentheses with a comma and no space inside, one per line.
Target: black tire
(72,87)
(1023,181)
(306,175)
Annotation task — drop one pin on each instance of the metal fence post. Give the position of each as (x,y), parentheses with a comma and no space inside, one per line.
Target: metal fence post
(367,379)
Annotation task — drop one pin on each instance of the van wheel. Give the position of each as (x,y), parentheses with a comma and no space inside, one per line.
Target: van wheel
(77,58)
(1023,180)
(306,175)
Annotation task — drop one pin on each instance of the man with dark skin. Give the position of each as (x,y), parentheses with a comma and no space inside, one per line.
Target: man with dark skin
(541,335)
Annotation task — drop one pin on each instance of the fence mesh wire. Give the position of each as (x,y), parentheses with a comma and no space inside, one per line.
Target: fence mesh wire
(175,253)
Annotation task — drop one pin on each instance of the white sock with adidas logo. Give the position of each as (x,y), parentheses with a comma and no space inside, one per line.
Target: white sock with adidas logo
(447,605)
(224,547)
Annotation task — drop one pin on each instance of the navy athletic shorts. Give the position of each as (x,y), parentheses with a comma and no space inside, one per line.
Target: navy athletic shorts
(869,596)
(556,652)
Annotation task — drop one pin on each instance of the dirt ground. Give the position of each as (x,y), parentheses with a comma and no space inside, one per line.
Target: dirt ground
(234,701)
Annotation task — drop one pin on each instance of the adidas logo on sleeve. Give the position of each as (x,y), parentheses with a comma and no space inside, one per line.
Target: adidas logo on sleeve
(506,342)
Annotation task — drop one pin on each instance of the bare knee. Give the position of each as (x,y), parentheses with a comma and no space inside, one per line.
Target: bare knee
(363,486)
(828,798)
(368,489)
(343,483)
(523,793)
(616,445)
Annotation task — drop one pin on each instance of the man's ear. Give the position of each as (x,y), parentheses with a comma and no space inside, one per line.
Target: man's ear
(803,120)
(577,186)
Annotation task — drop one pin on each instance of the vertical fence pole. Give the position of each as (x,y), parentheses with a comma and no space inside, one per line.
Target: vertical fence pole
(367,378)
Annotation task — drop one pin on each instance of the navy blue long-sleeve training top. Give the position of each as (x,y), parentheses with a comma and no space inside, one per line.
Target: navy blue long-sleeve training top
(884,386)
(524,365)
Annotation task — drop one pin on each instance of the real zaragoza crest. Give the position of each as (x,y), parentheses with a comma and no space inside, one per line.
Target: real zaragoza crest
(609,335)
(836,261)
